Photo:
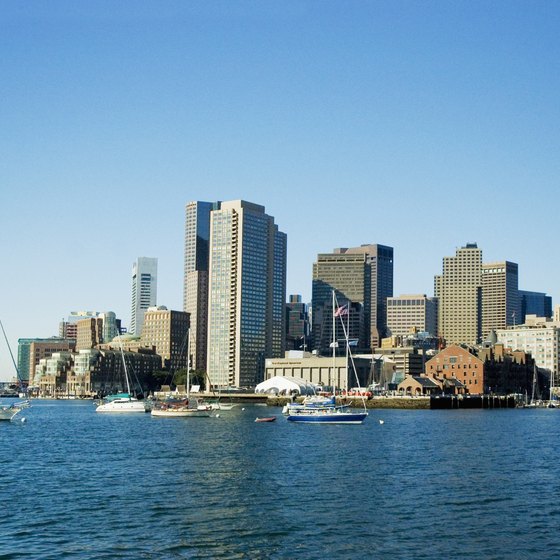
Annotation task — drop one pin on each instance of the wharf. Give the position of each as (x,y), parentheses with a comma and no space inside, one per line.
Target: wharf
(473,401)
(439,402)
(413,403)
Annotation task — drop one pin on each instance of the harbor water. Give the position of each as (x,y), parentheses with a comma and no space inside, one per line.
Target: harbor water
(421,484)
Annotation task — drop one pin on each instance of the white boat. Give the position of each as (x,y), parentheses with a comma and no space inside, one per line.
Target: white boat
(8,412)
(221,406)
(182,408)
(123,403)
(329,412)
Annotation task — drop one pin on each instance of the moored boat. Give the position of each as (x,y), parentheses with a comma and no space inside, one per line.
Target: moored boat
(328,412)
(8,412)
(183,408)
(327,416)
(265,419)
(122,402)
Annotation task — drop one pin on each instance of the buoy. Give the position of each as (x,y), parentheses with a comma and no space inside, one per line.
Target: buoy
(217,415)
(382,421)
(23,420)
(242,409)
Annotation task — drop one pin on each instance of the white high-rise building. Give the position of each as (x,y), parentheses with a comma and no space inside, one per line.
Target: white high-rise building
(144,291)
(246,294)
(541,337)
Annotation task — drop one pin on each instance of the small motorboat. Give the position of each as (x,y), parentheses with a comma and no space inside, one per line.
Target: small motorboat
(265,419)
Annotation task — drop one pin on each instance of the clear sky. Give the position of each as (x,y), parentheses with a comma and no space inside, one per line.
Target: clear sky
(422,125)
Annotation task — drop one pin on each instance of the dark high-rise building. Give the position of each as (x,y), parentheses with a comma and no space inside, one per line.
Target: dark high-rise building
(195,285)
(362,278)
(297,324)
(534,303)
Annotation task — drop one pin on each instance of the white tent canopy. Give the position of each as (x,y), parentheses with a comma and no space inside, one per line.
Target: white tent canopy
(285,386)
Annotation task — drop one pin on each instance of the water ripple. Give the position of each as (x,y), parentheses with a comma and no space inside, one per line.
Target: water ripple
(425,485)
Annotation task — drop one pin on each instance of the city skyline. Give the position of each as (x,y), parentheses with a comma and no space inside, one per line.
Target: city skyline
(420,127)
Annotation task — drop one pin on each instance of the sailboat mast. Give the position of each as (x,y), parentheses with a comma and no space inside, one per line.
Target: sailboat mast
(333,342)
(188,363)
(11,354)
(124,364)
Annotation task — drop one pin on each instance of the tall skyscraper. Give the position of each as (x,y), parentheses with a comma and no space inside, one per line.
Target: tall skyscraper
(500,296)
(475,298)
(144,291)
(361,277)
(458,291)
(247,291)
(195,286)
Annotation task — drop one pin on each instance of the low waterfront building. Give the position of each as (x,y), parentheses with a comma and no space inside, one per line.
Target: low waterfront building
(507,371)
(286,386)
(319,370)
(51,374)
(493,369)
(407,359)
(458,363)
(419,385)
(32,350)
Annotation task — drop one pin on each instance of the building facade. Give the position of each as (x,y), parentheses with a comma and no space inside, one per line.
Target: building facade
(144,291)
(167,331)
(196,270)
(362,278)
(540,337)
(458,290)
(534,303)
(32,350)
(412,313)
(455,362)
(320,370)
(297,324)
(100,329)
(247,291)
(500,296)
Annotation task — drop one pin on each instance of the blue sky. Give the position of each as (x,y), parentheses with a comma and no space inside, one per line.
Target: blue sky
(420,125)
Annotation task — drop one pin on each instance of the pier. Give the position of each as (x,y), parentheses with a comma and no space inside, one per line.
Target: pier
(473,401)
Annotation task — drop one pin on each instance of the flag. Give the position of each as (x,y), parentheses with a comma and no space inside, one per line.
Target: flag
(333,345)
(341,311)
(353,342)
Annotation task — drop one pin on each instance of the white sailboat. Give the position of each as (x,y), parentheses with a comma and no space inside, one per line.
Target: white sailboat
(182,408)
(330,413)
(123,402)
(8,412)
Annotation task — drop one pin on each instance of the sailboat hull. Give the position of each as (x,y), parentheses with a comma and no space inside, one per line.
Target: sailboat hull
(321,417)
(181,413)
(8,412)
(122,406)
